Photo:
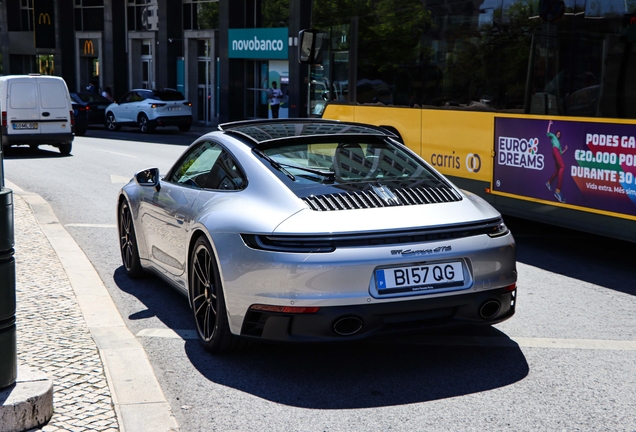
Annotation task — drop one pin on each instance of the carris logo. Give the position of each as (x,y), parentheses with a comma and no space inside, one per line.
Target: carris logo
(473,162)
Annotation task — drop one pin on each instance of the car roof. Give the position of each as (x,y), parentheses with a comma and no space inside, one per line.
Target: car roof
(265,131)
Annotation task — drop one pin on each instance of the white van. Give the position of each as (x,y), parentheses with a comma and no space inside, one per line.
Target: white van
(36,109)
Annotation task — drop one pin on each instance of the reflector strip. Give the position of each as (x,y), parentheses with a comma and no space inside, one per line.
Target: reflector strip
(285,309)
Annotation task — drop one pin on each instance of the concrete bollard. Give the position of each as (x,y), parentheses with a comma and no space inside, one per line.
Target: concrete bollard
(8,340)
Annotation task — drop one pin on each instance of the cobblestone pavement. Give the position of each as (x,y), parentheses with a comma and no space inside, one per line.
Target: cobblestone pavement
(53,336)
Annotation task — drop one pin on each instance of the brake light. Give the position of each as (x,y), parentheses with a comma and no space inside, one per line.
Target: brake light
(511,287)
(86,108)
(72,118)
(188,104)
(285,309)
(4,119)
(157,105)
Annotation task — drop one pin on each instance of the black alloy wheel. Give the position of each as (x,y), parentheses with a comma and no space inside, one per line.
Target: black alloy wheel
(145,126)
(207,301)
(128,242)
(111,123)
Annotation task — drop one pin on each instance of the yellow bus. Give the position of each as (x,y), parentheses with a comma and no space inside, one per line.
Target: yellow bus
(530,104)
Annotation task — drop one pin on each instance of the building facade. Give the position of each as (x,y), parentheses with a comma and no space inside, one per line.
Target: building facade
(180,44)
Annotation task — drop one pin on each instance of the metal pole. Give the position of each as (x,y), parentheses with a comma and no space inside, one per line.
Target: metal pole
(8,340)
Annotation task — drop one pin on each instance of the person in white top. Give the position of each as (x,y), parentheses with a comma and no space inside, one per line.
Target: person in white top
(108,94)
(275,99)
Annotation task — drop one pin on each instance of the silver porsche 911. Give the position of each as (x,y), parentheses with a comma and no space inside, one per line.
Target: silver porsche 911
(315,230)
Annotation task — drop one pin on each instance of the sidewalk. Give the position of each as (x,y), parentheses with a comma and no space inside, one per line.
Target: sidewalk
(69,328)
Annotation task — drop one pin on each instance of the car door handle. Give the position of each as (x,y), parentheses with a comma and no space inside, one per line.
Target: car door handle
(46,114)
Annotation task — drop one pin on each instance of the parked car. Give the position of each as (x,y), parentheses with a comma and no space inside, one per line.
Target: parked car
(315,230)
(147,109)
(81,118)
(95,106)
(36,110)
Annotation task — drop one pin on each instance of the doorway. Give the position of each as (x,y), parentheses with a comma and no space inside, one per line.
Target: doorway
(205,81)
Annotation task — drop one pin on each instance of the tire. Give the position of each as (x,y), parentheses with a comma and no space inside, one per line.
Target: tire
(207,300)
(145,126)
(65,149)
(128,242)
(185,127)
(111,122)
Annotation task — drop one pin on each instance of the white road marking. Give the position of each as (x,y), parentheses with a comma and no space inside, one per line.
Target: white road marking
(115,153)
(87,225)
(116,179)
(524,342)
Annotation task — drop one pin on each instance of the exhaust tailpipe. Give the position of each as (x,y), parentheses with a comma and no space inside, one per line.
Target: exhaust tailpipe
(489,309)
(348,326)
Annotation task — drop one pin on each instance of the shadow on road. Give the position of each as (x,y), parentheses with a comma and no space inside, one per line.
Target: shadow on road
(569,253)
(381,372)
(25,152)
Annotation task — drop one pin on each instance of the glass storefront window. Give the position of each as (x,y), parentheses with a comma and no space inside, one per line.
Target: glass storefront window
(200,14)
(573,58)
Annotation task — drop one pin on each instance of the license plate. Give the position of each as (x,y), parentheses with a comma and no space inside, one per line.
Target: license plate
(175,108)
(101,106)
(425,277)
(17,126)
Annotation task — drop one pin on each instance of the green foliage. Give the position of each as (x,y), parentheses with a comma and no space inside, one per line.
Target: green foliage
(275,13)
(208,15)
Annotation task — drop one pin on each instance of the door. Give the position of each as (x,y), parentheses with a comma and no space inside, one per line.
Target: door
(164,220)
(54,107)
(205,83)
(23,114)
(147,78)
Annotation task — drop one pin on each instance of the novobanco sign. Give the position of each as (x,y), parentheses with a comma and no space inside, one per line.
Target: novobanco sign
(258,43)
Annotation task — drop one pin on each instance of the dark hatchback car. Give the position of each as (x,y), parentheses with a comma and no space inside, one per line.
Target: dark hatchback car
(95,106)
(80,114)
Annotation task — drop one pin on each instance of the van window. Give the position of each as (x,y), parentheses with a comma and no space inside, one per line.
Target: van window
(22,95)
(53,95)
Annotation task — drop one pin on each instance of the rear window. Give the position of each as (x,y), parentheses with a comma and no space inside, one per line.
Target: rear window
(92,97)
(347,160)
(53,95)
(167,96)
(22,95)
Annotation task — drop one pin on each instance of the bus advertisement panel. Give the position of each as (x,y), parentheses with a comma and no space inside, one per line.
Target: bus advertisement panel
(584,164)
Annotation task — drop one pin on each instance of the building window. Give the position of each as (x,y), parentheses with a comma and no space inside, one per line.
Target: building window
(200,14)
(89,15)
(26,15)
(46,65)
(143,15)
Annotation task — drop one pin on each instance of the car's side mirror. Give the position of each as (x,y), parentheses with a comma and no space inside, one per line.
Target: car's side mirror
(148,178)
(307,49)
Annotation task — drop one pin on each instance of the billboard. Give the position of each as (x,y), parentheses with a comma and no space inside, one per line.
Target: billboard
(258,43)
(584,164)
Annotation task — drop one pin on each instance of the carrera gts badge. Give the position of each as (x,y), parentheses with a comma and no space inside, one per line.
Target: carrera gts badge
(439,249)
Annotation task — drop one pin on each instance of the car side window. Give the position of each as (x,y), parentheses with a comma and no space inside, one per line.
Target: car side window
(125,98)
(194,169)
(226,174)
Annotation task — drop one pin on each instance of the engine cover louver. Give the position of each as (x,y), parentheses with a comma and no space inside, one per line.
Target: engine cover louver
(382,197)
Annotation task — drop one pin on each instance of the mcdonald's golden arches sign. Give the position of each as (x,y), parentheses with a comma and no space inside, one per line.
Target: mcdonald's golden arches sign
(44,25)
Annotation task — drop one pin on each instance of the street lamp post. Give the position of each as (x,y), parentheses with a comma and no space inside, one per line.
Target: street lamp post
(8,341)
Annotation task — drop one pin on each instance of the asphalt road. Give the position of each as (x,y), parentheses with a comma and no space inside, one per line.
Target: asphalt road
(566,361)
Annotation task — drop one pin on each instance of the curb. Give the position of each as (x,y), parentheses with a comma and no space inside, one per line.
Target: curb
(139,402)
(28,403)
